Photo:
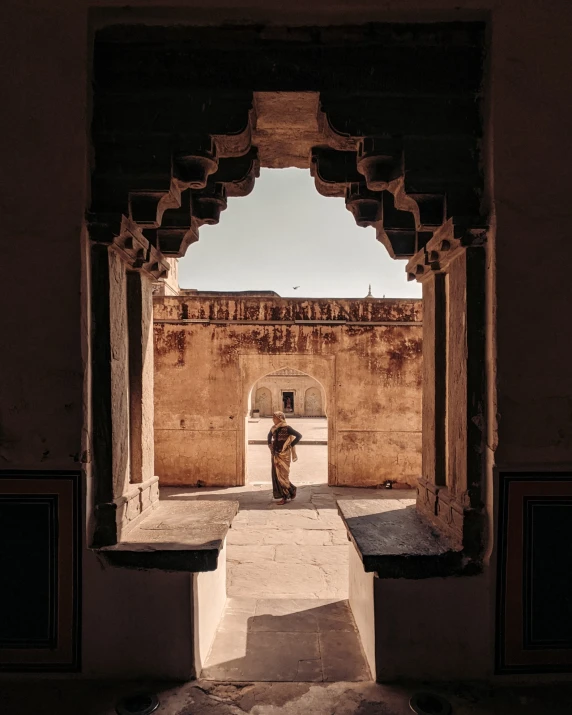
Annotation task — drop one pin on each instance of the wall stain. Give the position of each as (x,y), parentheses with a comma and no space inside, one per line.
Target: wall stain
(171,341)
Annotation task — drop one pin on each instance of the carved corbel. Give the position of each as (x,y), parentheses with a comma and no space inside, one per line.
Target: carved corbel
(333,170)
(131,248)
(432,210)
(399,227)
(339,140)
(364,204)
(136,250)
(449,240)
(238,174)
(178,230)
(131,244)
(191,169)
(418,266)
(174,242)
(384,239)
(146,208)
(207,205)
(237,142)
(380,161)
(154,264)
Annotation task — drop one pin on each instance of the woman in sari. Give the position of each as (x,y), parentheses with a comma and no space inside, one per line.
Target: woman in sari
(282,440)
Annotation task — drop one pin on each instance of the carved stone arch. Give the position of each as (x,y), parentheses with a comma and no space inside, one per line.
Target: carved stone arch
(191,120)
(175,132)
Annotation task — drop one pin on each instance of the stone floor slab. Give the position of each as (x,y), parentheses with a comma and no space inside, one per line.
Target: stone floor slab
(244,537)
(281,640)
(299,537)
(287,616)
(241,604)
(251,553)
(342,656)
(316,555)
(238,614)
(268,656)
(273,580)
(310,671)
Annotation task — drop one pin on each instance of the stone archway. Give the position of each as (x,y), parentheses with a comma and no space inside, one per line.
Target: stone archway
(253,367)
(386,116)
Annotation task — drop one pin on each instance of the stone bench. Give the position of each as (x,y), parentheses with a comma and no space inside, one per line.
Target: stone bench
(184,535)
(177,535)
(409,604)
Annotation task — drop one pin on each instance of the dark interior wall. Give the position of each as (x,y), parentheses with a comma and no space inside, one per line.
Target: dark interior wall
(43,179)
(532,177)
(45,85)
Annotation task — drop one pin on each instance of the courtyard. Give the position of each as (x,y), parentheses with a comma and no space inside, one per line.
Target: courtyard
(287,616)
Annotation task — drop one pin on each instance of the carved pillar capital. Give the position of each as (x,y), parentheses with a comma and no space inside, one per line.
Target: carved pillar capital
(418,267)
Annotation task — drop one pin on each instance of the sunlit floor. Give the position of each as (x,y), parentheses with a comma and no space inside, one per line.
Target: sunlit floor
(299,550)
(287,616)
(286,639)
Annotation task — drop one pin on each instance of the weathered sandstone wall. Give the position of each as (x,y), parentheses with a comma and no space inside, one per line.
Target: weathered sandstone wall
(211,349)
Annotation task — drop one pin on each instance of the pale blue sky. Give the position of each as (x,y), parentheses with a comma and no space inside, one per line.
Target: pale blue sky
(284,234)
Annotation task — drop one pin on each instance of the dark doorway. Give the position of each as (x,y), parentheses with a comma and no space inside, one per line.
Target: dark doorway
(288,402)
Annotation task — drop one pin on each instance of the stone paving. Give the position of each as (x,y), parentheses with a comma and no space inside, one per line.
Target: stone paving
(299,550)
(287,617)
(286,640)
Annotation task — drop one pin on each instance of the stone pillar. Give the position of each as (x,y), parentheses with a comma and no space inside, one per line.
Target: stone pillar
(460,504)
(140,319)
(434,389)
(123,269)
(452,271)
(119,341)
(105,526)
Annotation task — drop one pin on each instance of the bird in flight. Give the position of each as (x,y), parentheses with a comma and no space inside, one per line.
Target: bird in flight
(295,287)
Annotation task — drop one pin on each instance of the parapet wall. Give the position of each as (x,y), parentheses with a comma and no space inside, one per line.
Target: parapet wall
(211,348)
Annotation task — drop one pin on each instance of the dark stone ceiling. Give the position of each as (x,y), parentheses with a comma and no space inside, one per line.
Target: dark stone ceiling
(386,116)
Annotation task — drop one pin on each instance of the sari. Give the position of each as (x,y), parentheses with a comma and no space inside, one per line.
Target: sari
(283,452)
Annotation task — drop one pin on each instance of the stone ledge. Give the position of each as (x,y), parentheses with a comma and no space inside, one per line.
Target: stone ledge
(394,541)
(178,535)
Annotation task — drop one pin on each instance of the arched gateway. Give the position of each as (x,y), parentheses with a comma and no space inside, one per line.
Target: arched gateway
(388,118)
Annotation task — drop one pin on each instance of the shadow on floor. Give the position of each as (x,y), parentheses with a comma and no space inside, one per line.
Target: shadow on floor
(286,640)
(309,496)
